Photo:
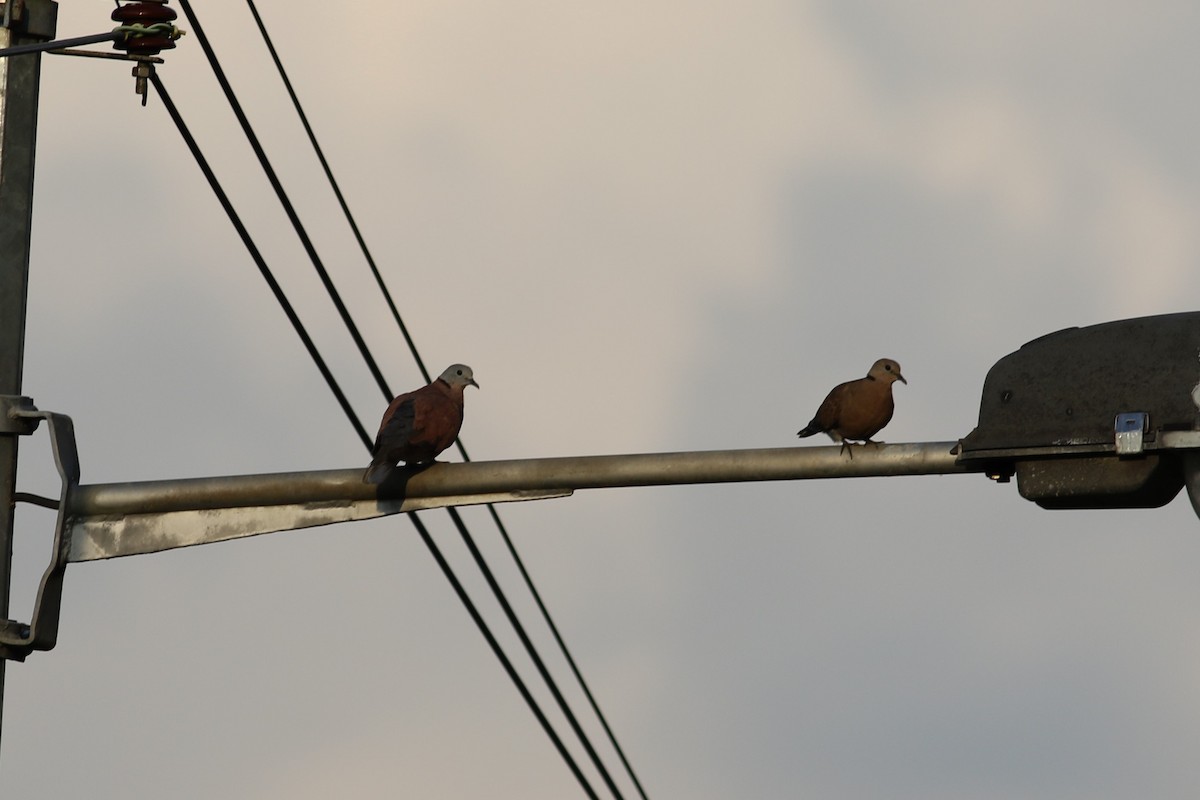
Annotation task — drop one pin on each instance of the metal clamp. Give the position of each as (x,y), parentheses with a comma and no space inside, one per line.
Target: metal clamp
(1130,432)
(36,18)
(15,415)
(17,640)
(12,12)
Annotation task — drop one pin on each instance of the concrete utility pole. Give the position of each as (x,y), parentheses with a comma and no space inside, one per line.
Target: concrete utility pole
(23,22)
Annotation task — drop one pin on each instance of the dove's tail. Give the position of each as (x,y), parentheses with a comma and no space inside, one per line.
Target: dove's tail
(377,472)
(813,427)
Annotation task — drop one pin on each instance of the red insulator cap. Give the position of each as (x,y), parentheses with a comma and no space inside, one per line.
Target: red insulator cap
(144,13)
(144,45)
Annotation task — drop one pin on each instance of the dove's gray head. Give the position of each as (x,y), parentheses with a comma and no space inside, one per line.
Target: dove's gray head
(886,370)
(459,375)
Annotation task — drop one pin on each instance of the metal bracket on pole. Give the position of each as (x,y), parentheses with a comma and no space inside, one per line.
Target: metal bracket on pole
(14,417)
(17,640)
(12,12)
(35,18)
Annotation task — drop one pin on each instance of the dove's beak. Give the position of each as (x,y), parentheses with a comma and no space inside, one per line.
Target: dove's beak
(471,382)
(900,378)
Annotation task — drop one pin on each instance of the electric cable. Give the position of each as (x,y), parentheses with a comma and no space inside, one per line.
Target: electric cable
(472,610)
(387,295)
(587,692)
(59,44)
(337,192)
(508,667)
(259,261)
(365,352)
(288,208)
(252,138)
(533,653)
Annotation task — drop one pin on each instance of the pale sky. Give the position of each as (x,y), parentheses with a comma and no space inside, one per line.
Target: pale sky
(648,227)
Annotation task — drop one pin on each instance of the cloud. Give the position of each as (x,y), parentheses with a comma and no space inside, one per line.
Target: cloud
(663,226)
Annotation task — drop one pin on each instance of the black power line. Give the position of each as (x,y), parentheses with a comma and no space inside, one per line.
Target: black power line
(533,653)
(219,72)
(288,208)
(387,295)
(337,191)
(508,667)
(298,226)
(255,254)
(612,738)
(235,219)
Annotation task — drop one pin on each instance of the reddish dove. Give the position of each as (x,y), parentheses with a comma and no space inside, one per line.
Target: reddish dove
(858,409)
(420,424)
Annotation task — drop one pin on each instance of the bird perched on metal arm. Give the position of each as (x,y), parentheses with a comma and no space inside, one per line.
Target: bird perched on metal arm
(419,425)
(858,409)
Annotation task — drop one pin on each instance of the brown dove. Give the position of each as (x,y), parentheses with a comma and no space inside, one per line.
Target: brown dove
(419,425)
(858,409)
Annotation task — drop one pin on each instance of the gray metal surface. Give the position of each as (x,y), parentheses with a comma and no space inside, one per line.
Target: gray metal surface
(714,466)
(41,47)
(11,418)
(17,639)
(1101,481)
(1191,478)
(1064,389)
(18,134)
(110,520)
(485,477)
(111,536)
(1085,417)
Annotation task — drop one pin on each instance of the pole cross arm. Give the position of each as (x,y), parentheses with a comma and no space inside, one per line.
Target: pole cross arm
(124,519)
(99,521)
(121,519)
